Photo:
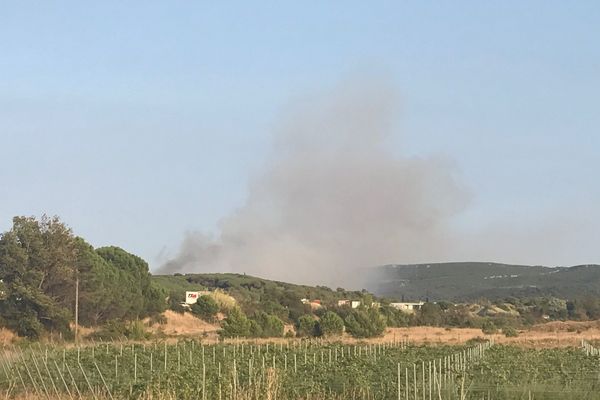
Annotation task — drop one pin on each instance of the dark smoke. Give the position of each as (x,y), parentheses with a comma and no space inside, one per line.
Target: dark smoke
(333,198)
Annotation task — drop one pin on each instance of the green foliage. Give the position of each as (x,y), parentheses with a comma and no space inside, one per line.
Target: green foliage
(289,334)
(330,324)
(269,325)
(468,281)
(306,326)
(36,267)
(236,324)
(365,323)
(136,331)
(476,340)
(206,308)
(118,330)
(489,328)
(255,329)
(255,294)
(175,301)
(394,317)
(144,298)
(179,373)
(430,314)
(509,331)
(504,373)
(40,262)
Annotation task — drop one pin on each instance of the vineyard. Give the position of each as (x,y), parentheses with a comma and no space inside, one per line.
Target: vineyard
(299,370)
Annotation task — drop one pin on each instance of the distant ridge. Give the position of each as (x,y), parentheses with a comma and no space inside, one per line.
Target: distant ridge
(460,281)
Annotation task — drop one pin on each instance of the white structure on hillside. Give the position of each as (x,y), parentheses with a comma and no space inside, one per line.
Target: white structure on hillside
(407,307)
(349,303)
(192,297)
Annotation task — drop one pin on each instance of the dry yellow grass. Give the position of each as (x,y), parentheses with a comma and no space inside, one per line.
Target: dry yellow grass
(184,325)
(225,301)
(6,336)
(553,334)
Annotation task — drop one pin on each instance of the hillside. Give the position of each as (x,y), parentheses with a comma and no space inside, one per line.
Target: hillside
(257,294)
(463,281)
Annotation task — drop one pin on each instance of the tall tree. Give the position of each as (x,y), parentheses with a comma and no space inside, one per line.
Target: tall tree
(37,264)
(143,296)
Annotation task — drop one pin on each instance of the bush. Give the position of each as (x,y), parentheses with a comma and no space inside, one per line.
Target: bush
(175,300)
(393,317)
(509,331)
(117,329)
(430,314)
(225,302)
(255,329)
(206,308)
(289,334)
(136,331)
(270,325)
(489,328)
(236,324)
(306,326)
(28,326)
(476,340)
(365,323)
(330,324)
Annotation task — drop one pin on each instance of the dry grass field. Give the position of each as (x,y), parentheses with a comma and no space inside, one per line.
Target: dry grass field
(552,334)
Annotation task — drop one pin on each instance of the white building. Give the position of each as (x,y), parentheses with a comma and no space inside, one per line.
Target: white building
(192,297)
(407,307)
(349,303)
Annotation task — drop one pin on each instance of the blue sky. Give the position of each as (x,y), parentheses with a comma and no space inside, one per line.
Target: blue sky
(139,121)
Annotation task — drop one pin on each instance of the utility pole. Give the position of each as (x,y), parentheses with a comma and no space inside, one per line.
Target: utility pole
(76,306)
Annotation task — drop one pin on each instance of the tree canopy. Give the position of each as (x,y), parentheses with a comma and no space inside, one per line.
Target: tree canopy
(40,261)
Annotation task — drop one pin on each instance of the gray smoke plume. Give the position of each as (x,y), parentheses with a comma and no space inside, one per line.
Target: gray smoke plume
(333,198)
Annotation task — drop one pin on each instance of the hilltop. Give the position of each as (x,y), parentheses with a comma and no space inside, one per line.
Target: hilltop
(464,281)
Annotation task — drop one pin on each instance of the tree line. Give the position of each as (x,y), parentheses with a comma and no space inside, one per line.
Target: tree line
(40,262)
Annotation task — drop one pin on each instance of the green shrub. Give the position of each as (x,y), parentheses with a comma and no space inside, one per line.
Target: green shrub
(270,325)
(206,308)
(236,324)
(394,317)
(136,331)
(111,330)
(489,328)
(255,329)
(365,323)
(476,340)
(117,329)
(509,331)
(306,326)
(175,300)
(330,324)
(289,334)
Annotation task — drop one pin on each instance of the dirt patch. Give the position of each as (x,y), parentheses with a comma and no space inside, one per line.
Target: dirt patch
(184,325)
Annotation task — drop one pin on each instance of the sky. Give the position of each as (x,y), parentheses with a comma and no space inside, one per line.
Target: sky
(141,122)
